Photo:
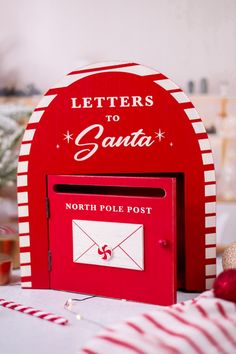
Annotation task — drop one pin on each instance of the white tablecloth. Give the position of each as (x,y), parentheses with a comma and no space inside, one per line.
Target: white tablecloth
(24,334)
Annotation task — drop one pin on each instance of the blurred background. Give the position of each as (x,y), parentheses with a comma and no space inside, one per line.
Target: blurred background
(192,42)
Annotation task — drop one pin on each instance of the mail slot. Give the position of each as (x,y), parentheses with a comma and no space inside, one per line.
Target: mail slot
(116,188)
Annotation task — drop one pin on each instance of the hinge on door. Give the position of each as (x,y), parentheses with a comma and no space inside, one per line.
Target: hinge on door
(47,208)
(49,260)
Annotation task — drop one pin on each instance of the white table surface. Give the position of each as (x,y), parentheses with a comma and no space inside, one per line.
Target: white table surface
(24,334)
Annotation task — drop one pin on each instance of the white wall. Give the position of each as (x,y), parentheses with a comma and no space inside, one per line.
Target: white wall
(186,39)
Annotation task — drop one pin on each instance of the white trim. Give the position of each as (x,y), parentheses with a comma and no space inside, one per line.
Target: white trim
(210,269)
(25,270)
(36,116)
(209,176)
(22,180)
(100,65)
(45,101)
(26,284)
(207,159)
(210,221)
(210,239)
(28,135)
(210,190)
(198,127)
(25,149)
(209,283)
(180,97)
(210,208)
(25,257)
(69,79)
(22,197)
(23,227)
(133,69)
(210,252)
(204,144)
(166,84)
(137,70)
(24,241)
(22,166)
(23,211)
(192,113)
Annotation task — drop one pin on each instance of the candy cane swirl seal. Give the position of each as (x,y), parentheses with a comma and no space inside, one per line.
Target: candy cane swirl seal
(105,252)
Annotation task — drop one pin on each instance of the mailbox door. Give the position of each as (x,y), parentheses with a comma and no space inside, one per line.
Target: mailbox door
(114,236)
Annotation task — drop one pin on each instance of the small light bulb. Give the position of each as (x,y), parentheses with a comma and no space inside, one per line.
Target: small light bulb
(78,317)
(69,304)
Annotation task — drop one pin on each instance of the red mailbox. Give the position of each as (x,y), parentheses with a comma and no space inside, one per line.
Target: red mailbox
(116,188)
(118,234)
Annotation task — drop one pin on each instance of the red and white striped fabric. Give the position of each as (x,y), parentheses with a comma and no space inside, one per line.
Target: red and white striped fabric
(204,325)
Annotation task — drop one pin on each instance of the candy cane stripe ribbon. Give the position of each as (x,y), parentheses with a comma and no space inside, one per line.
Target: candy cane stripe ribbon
(33,312)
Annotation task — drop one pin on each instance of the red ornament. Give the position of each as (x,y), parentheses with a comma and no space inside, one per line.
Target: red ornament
(225,285)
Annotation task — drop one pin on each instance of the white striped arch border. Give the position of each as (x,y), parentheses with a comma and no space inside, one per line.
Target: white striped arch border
(191,114)
(22,195)
(209,177)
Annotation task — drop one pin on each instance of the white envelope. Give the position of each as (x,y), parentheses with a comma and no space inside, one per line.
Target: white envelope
(109,244)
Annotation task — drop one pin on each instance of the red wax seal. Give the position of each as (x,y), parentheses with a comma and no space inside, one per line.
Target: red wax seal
(105,252)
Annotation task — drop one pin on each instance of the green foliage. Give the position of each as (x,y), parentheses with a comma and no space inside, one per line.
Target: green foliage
(9,150)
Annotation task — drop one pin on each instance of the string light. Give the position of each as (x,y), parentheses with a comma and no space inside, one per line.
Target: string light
(69,304)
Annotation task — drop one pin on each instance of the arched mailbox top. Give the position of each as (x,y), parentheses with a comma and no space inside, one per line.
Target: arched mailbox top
(119,118)
(123,111)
